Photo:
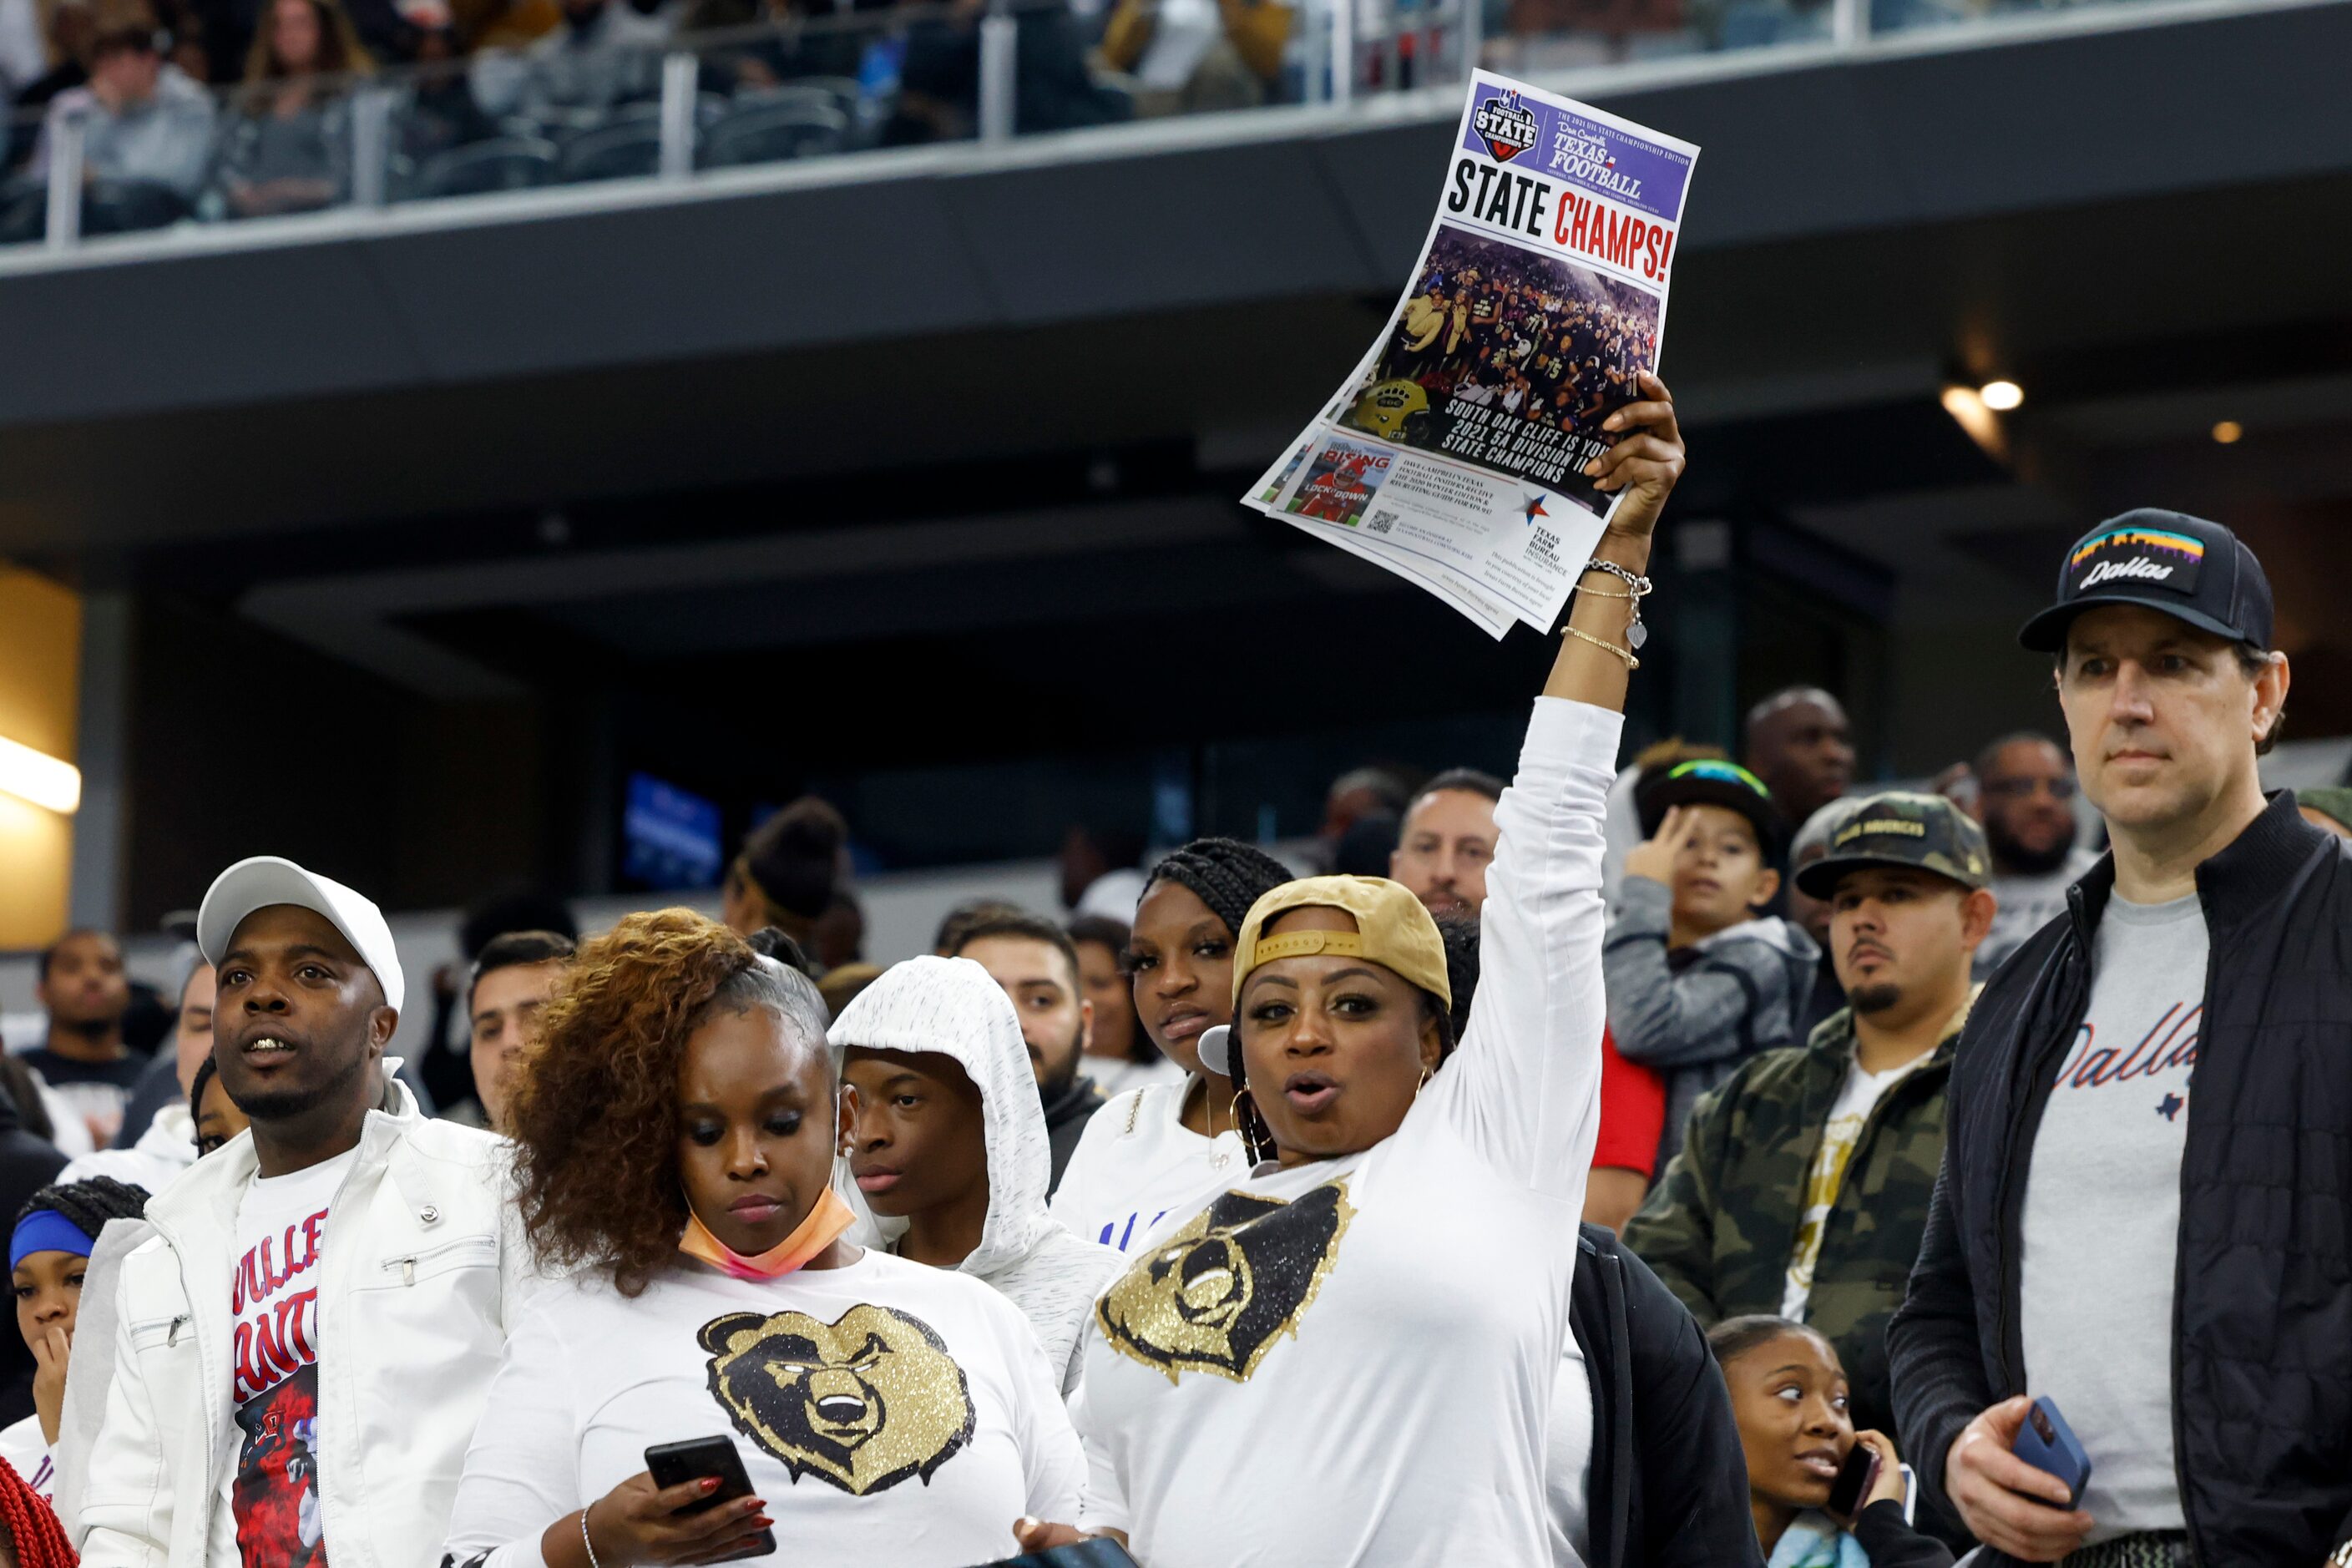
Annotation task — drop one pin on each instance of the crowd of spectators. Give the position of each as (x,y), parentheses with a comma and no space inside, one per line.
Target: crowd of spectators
(1091,1171)
(232,108)
(1541,341)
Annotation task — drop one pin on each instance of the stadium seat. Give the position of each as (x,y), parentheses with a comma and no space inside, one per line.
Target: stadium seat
(24,211)
(501,163)
(630,149)
(772,133)
(844,90)
(129,207)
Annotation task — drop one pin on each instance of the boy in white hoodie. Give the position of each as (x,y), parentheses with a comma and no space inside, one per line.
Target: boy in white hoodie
(949,1152)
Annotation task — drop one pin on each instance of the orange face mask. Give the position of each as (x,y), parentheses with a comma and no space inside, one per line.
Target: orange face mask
(821,1229)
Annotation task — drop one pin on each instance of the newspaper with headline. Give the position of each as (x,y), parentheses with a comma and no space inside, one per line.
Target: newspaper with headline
(1454,454)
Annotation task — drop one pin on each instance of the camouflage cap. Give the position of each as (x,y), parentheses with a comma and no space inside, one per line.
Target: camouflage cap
(1901,828)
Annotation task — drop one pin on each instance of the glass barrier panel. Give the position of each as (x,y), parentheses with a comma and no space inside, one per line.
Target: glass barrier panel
(1536,35)
(24,194)
(565,93)
(1911,15)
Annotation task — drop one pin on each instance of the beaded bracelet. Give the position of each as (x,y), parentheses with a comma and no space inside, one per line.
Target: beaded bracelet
(1630,662)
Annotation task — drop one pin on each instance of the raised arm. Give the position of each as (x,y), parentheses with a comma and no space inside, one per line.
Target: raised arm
(1662,1020)
(1525,1085)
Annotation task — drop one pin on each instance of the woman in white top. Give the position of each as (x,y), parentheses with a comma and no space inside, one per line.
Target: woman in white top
(675,1127)
(1120,1054)
(49,1255)
(1164,1146)
(1348,1356)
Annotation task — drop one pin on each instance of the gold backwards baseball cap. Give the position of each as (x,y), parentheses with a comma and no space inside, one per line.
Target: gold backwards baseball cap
(1393,930)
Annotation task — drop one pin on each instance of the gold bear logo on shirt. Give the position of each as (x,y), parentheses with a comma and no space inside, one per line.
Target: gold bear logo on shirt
(1215,1296)
(863,1401)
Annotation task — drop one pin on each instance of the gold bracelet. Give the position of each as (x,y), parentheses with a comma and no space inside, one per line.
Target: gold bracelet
(1632,663)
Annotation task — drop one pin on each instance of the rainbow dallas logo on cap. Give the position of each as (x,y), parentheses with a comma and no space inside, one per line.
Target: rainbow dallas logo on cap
(2152,556)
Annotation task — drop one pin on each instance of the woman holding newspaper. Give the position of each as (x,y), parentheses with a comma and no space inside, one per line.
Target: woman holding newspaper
(1349,1357)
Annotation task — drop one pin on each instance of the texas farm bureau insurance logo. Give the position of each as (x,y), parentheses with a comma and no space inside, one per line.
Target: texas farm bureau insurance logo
(1505,125)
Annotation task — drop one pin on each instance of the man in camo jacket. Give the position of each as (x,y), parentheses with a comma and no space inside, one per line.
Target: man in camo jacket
(1803,1182)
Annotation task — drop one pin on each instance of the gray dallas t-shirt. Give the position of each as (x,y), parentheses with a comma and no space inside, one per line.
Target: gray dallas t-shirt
(2102,1220)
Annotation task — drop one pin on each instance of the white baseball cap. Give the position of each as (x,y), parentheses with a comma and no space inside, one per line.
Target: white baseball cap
(265,880)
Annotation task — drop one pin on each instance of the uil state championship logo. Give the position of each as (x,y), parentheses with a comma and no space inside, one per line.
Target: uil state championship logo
(1505,125)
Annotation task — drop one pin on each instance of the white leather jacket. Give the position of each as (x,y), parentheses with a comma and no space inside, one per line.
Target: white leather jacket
(424,1266)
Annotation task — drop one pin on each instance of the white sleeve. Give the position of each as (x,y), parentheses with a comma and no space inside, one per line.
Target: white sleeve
(1104,1507)
(1051,1463)
(1525,1085)
(128,1498)
(522,1469)
(89,1371)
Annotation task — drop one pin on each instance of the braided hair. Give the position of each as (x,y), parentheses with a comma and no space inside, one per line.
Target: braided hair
(1226,873)
(89,1204)
(31,1525)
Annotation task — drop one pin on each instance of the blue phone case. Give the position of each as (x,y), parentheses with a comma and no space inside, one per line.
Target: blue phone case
(2047,1442)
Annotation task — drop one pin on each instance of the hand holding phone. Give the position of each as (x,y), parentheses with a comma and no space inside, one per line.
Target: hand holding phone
(693,1499)
(1046,1544)
(2048,1443)
(2013,1506)
(1854,1479)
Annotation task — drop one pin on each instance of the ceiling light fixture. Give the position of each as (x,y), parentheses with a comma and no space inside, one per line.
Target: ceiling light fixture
(41,778)
(1968,410)
(2227,431)
(2001,397)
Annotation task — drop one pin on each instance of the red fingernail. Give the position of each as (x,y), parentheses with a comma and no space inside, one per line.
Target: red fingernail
(711,1483)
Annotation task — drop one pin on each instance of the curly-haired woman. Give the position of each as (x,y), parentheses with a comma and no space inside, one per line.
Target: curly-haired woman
(1350,1355)
(675,1127)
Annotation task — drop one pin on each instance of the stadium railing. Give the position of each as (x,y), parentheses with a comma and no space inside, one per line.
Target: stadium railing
(856,81)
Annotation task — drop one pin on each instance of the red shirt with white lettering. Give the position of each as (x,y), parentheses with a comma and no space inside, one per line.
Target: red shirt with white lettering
(273,1492)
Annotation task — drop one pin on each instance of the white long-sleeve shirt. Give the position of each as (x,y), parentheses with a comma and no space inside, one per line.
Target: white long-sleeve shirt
(1352,1361)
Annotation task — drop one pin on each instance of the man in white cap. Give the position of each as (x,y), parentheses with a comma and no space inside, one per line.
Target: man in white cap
(303,1348)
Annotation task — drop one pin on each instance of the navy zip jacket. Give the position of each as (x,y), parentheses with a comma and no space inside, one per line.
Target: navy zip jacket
(2261,1350)
(1669,1480)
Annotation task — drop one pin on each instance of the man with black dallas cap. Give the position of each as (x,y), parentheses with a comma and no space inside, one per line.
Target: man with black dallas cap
(2170,1268)
(302,1350)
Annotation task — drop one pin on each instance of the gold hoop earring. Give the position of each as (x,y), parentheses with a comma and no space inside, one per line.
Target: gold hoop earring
(1426,1074)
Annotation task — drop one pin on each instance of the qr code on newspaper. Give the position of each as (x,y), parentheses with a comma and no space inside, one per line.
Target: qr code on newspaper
(1380,521)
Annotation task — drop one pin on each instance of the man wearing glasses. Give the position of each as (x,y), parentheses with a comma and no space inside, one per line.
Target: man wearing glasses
(2025,798)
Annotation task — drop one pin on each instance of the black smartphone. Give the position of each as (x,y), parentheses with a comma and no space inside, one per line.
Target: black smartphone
(697,1458)
(1854,1479)
(1100,1551)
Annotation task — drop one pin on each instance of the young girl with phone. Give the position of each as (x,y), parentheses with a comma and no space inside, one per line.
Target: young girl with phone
(1815,1506)
(676,1127)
